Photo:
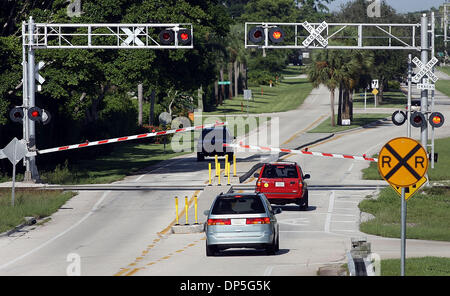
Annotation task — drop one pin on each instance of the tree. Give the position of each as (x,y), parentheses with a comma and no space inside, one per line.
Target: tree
(322,70)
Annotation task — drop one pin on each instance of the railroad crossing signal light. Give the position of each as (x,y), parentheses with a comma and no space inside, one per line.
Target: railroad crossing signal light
(16,114)
(436,119)
(184,36)
(256,35)
(418,120)
(398,117)
(276,35)
(35,114)
(166,37)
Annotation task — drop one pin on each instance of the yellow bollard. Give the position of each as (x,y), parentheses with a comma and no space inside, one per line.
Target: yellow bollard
(176,209)
(218,166)
(228,172)
(226,164)
(234,165)
(209,172)
(195,207)
(186,208)
(216,162)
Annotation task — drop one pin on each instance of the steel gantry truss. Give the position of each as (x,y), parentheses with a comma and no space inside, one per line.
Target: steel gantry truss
(340,35)
(102,36)
(87,36)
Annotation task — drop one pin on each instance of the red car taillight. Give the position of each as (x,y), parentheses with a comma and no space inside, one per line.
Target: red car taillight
(219,222)
(263,220)
(258,184)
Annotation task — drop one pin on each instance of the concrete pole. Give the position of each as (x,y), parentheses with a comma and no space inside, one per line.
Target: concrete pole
(424,93)
(26,136)
(31,100)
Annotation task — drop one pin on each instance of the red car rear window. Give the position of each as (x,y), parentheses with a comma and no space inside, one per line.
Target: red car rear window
(279,171)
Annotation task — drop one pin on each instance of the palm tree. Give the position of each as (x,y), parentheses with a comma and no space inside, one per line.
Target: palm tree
(339,69)
(323,71)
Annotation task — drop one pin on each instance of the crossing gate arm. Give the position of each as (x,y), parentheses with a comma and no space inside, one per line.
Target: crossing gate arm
(304,152)
(127,138)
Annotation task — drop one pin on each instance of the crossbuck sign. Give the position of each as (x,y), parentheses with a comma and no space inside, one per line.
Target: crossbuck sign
(424,70)
(315,34)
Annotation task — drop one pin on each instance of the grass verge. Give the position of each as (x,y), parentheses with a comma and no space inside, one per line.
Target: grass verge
(358,120)
(445,69)
(443,86)
(126,159)
(391,99)
(287,95)
(423,266)
(29,203)
(440,171)
(427,217)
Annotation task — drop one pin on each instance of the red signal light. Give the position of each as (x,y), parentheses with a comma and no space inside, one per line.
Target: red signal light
(276,35)
(16,114)
(35,114)
(256,35)
(166,37)
(184,36)
(436,119)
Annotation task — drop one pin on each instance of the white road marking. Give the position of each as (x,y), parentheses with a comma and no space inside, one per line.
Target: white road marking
(94,208)
(330,211)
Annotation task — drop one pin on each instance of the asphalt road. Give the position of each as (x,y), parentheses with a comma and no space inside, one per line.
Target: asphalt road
(128,232)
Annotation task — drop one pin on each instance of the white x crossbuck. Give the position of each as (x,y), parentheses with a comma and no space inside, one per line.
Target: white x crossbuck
(133,36)
(315,34)
(425,70)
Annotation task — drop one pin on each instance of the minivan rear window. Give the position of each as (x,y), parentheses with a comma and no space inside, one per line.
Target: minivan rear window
(238,205)
(280,171)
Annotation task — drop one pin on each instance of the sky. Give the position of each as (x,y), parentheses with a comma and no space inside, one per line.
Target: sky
(399,5)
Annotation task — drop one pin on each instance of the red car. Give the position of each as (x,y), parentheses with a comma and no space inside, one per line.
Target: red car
(283,183)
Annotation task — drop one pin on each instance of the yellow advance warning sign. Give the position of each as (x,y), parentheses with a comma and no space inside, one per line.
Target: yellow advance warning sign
(402,162)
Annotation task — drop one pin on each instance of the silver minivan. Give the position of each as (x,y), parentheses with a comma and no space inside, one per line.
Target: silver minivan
(241,220)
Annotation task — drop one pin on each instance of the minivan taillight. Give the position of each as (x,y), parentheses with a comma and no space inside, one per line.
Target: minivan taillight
(262,220)
(219,222)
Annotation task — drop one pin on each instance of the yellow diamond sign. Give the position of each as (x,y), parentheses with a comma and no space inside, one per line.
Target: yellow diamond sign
(410,190)
(375,91)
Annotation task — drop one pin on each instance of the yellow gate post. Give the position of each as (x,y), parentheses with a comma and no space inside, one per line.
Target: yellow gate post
(218,166)
(228,172)
(234,165)
(195,207)
(216,163)
(176,209)
(186,208)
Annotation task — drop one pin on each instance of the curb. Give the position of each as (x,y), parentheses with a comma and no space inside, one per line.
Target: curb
(28,221)
(189,228)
